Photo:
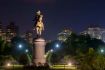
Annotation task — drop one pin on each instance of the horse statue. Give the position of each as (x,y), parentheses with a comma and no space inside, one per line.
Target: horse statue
(39,26)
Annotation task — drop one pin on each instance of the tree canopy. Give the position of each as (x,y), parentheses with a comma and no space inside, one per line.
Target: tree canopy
(82,50)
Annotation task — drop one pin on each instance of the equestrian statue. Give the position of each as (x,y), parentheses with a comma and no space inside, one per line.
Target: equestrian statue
(39,26)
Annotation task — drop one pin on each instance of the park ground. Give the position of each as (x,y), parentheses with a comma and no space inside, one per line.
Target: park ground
(54,67)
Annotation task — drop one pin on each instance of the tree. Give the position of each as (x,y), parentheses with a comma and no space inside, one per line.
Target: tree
(16,51)
(2,46)
(6,59)
(85,60)
(91,60)
(5,47)
(99,62)
(82,48)
(23,59)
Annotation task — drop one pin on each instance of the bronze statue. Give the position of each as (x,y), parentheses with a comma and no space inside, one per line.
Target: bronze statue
(39,26)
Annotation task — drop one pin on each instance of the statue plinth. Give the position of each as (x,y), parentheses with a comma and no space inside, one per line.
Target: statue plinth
(39,52)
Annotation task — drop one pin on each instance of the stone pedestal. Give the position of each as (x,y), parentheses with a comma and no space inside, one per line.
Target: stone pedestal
(39,52)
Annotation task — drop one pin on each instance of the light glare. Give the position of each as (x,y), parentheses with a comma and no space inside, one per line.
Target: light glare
(20,46)
(26,50)
(51,50)
(102,50)
(69,64)
(57,45)
(8,64)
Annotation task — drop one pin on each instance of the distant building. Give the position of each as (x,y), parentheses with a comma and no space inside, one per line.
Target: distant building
(1,29)
(11,31)
(103,36)
(62,36)
(95,32)
(28,37)
(2,32)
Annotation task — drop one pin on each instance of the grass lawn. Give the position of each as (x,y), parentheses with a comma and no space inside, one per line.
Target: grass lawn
(54,67)
(63,67)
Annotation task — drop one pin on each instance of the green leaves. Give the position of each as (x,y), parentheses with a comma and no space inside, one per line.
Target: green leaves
(83,51)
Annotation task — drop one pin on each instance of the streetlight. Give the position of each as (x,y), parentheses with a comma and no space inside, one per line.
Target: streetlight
(8,64)
(102,50)
(20,46)
(69,64)
(57,45)
(26,50)
(51,50)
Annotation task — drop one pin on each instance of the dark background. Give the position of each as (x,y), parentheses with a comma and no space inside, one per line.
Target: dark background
(58,14)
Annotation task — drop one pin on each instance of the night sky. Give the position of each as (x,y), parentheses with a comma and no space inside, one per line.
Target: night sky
(58,14)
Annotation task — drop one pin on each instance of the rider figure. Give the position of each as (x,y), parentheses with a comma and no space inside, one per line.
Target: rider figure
(39,26)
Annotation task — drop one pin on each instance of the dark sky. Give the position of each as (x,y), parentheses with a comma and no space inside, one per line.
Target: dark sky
(58,14)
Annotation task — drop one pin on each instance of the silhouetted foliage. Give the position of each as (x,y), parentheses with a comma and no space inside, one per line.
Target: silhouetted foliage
(23,59)
(76,45)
